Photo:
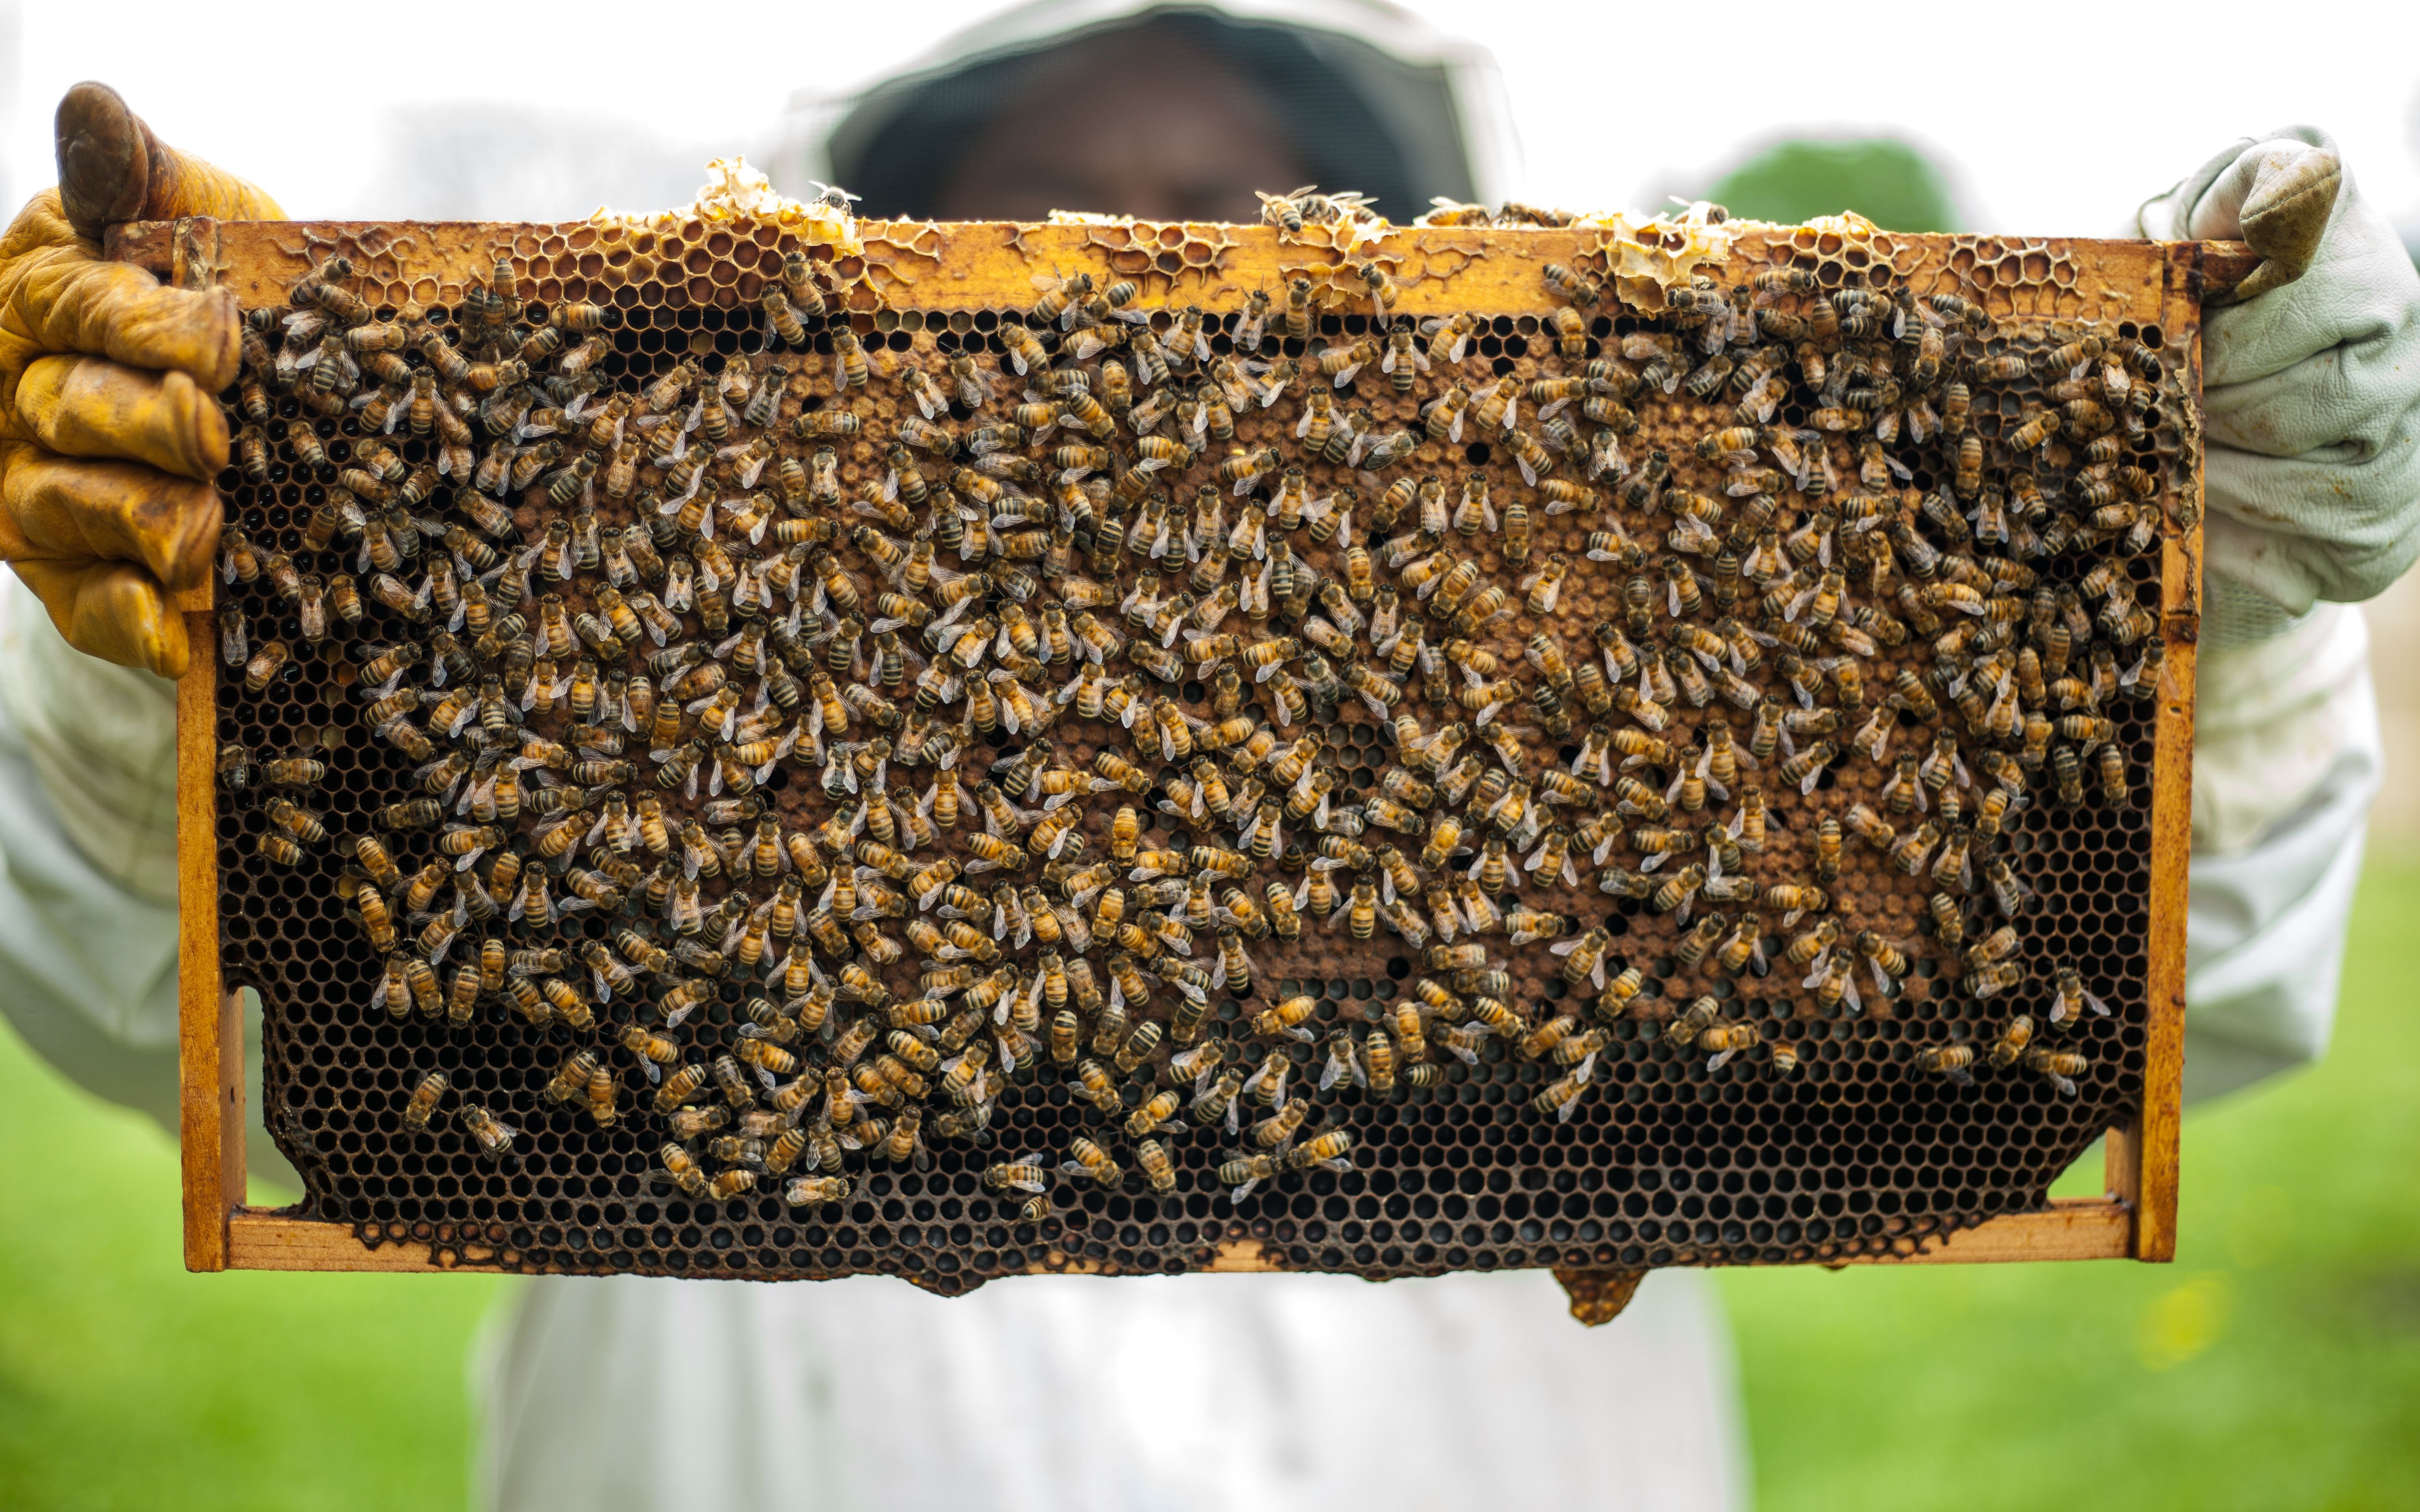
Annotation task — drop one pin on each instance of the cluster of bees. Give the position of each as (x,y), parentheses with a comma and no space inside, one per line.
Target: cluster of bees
(894,691)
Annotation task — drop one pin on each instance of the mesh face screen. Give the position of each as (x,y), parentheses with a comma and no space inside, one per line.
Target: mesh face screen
(1586,786)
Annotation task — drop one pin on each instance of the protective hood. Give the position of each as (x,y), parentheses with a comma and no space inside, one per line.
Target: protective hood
(1374,98)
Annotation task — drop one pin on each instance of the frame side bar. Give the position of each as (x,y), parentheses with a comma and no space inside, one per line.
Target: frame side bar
(2156,1142)
(210,1019)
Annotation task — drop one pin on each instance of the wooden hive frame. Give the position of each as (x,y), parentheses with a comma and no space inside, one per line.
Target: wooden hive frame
(975,266)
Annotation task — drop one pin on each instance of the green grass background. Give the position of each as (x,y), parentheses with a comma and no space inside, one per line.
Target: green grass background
(2276,1365)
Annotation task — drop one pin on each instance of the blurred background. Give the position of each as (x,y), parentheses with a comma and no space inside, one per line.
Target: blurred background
(2276,1365)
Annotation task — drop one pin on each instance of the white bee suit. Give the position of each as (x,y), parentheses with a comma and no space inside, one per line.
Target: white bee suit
(1077,1393)
(89,874)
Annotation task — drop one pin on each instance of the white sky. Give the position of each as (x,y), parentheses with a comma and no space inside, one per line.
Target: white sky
(2042,129)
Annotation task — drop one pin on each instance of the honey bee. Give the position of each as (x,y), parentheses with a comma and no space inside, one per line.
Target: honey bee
(1089,1160)
(1905,790)
(1584,958)
(1726,1041)
(1804,770)
(816,1191)
(2011,1043)
(422,1105)
(492,1135)
(296,820)
(1243,1172)
(2069,997)
(1329,1150)
(1678,892)
(2059,1067)
(1950,1061)
(265,666)
(1561,1096)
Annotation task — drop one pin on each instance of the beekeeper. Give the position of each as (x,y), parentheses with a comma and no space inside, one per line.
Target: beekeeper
(1195,1392)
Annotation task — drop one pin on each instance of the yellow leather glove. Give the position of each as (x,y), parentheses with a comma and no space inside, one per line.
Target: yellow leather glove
(110,427)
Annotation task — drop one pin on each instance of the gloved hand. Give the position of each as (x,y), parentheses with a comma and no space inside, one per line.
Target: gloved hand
(109,429)
(2311,387)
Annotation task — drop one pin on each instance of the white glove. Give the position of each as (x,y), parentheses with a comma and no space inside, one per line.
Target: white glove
(2311,395)
(2311,386)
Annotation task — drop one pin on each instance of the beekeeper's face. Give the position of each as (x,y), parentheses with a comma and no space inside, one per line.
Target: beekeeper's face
(1133,123)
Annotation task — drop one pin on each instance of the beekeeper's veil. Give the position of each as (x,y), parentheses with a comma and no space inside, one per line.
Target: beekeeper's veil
(1373,97)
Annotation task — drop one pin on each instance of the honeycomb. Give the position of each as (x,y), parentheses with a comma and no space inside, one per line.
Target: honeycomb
(1681,431)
